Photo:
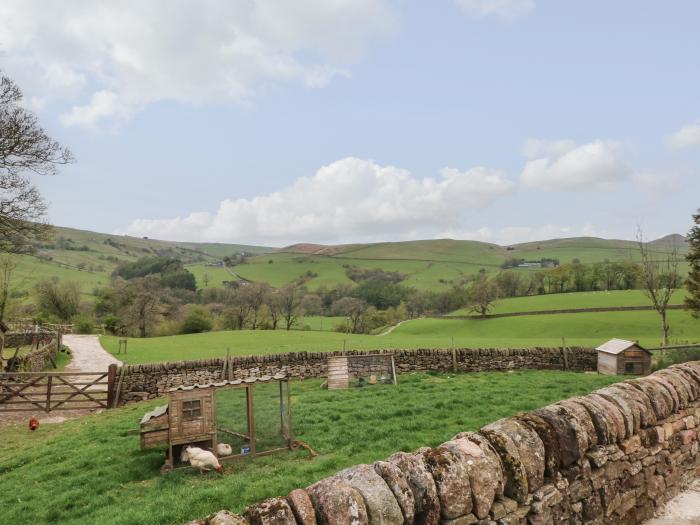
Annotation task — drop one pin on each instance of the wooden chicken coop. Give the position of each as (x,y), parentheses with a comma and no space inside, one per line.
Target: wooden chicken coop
(190,418)
(621,357)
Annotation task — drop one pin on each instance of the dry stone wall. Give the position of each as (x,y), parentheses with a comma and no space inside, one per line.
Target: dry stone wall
(37,359)
(152,380)
(611,457)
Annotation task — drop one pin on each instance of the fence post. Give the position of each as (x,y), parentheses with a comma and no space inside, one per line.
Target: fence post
(454,356)
(111,376)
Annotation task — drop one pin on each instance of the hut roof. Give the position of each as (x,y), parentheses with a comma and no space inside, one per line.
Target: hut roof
(156,412)
(247,380)
(617,346)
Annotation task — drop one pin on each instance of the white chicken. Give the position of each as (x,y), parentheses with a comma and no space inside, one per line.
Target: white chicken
(223,449)
(203,460)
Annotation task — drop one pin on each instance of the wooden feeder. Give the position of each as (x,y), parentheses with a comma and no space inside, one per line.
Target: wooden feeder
(620,357)
(189,418)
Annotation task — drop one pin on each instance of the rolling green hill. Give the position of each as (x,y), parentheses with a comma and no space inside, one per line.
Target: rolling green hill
(431,264)
(89,259)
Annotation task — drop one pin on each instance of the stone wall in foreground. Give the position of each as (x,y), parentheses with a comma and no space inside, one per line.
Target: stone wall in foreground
(152,380)
(611,457)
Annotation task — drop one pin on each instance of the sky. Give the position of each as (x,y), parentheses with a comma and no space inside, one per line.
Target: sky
(272,122)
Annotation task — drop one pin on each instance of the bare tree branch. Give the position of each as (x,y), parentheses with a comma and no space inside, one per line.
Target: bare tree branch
(25,149)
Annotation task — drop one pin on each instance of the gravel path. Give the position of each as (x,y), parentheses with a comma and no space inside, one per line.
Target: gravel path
(88,354)
(684,509)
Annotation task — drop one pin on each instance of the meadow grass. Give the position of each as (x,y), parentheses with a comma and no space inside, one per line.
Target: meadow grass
(561,301)
(581,329)
(92,470)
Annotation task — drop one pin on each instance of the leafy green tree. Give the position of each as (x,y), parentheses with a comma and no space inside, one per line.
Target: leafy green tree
(692,283)
(481,295)
(195,322)
(60,300)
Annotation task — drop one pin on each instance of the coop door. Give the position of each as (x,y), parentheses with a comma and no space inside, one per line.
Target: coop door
(272,425)
(232,420)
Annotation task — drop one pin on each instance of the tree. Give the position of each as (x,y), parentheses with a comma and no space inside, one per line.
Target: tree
(290,304)
(692,283)
(61,300)
(205,278)
(7,268)
(312,304)
(25,148)
(142,302)
(254,296)
(196,321)
(481,295)
(508,283)
(352,308)
(660,279)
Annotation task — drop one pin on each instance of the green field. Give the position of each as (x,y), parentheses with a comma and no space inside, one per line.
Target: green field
(581,329)
(91,470)
(430,264)
(562,301)
(217,275)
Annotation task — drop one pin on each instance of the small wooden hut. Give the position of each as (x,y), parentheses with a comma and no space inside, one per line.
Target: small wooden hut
(190,418)
(621,357)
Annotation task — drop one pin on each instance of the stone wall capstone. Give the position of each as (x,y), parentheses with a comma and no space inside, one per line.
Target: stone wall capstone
(148,381)
(611,457)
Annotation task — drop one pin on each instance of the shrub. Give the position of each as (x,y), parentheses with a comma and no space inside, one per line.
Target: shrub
(83,325)
(196,322)
(680,355)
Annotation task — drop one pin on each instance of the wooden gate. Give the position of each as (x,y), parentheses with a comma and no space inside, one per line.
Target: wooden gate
(49,391)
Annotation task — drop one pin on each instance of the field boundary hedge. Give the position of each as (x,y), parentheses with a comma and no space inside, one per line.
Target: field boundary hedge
(562,311)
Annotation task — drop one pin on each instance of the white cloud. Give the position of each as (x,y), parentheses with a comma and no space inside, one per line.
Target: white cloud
(505,9)
(563,165)
(686,137)
(351,199)
(110,59)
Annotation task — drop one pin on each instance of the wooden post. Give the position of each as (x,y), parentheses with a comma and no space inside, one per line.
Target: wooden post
(111,377)
(393,369)
(564,354)
(48,393)
(251,418)
(454,356)
(119,387)
(229,358)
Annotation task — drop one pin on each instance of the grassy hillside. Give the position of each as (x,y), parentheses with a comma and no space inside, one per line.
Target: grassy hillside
(92,470)
(583,329)
(561,301)
(428,264)
(89,258)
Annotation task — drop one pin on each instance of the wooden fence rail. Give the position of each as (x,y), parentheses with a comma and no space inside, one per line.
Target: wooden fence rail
(49,391)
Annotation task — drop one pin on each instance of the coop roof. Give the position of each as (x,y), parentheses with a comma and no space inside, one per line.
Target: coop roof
(617,346)
(246,381)
(156,412)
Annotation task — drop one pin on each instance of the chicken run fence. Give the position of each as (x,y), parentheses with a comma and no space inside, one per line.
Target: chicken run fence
(232,419)
(361,370)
